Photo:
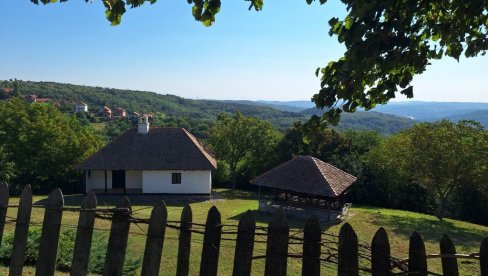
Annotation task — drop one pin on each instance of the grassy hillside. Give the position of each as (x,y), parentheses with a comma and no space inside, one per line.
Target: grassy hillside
(365,220)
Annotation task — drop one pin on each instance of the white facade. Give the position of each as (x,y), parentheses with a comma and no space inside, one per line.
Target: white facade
(81,107)
(192,182)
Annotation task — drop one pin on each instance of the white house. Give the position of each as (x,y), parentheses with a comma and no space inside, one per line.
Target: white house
(80,107)
(165,160)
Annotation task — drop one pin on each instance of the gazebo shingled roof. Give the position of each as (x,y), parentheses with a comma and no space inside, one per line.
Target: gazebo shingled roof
(307,175)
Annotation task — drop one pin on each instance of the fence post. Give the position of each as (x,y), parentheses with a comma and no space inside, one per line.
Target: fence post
(51,227)
(449,265)
(17,256)
(348,263)
(417,261)
(84,235)
(183,264)
(154,240)
(4,196)
(311,247)
(277,245)
(117,242)
(211,243)
(484,257)
(380,254)
(244,245)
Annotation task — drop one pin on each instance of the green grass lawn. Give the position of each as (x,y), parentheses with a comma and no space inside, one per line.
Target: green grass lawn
(365,220)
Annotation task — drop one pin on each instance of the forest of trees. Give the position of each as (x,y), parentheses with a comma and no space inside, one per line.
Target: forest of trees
(438,168)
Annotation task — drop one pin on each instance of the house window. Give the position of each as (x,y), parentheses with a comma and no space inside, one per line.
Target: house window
(176,178)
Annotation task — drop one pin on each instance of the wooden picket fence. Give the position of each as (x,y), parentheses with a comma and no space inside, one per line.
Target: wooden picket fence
(277,242)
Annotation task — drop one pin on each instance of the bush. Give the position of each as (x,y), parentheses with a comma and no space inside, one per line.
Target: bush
(65,252)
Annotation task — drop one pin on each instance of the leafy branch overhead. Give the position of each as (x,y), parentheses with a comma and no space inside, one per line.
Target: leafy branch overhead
(387,43)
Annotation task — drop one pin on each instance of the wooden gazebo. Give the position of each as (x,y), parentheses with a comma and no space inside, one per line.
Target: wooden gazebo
(306,181)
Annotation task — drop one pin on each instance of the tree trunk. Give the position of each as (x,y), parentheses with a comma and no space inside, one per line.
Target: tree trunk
(441,212)
(233,169)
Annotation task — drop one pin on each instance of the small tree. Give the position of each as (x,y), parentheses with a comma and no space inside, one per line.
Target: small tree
(238,138)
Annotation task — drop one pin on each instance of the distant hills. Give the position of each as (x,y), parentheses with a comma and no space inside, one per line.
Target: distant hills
(385,119)
(415,110)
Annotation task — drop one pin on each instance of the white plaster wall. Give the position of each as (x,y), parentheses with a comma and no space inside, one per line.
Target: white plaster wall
(133,179)
(192,182)
(97,180)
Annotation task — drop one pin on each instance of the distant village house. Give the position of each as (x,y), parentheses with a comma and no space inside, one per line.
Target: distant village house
(151,160)
(80,107)
(119,112)
(105,112)
(36,99)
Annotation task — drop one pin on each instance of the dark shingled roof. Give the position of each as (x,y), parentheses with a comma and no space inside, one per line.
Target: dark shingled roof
(308,175)
(167,148)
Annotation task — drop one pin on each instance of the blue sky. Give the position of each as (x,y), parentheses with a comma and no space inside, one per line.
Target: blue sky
(266,55)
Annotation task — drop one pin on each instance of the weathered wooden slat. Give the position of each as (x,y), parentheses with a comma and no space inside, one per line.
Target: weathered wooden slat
(380,254)
(244,245)
(417,262)
(183,265)
(154,240)
(484,257)
(51,227)
(348,263)
(84,235)
(4,196)
(311,247)
(17,256)
(277,246)
(211,243)
(117,242)
(449,265)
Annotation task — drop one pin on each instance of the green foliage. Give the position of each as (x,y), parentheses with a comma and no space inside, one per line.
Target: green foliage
(441,158)
(65,251)
(388,42)
(245,141)
(43,145)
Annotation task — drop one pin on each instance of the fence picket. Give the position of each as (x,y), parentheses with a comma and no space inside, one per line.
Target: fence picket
(311,247)
(211,243)
(348,263)
(117,242)
(244,245)
(155,240)
(84,235)
(51,227)
(449,265)
(417,261)
(380,254)
(484,257)
(183,265)
(17,256)
(4,196)
(277,245)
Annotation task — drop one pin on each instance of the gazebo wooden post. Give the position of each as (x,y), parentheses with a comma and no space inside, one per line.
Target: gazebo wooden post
(328,211)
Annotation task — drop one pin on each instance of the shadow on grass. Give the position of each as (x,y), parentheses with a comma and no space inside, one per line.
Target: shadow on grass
(135,200)
(431,229)
(265,218)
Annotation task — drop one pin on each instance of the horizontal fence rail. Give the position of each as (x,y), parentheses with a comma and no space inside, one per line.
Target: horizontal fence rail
(319,248)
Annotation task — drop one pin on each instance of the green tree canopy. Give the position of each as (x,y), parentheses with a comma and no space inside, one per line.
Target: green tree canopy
(442,157)
(387,44)
(239,139)
(42,145)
